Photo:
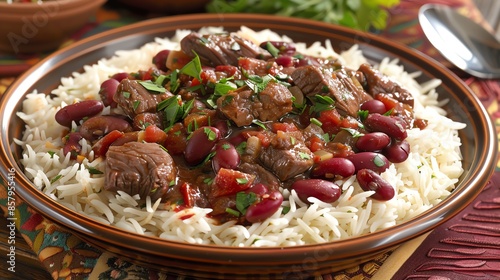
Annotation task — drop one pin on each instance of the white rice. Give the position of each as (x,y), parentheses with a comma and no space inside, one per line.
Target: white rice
(422,181)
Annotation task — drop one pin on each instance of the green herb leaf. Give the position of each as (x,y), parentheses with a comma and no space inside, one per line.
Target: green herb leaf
(244,200)
(153,87)
(93,170)
(193,68)
(316,122)
(241,181)
(55,178)
(232,212)
(272,49)
(211,135)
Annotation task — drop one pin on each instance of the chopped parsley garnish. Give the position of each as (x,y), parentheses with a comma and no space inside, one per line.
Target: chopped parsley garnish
(174,109)
(304,155)
(126,94)
(193,68)
(322,103)
(51,153)
(136,104)
(232,212)
(93,170)
(316,122)
(363,114)
(241,181)
(259,123)
(272,49)
(258,83)
(244,200)
(211,135)
(152,87)
(55,179)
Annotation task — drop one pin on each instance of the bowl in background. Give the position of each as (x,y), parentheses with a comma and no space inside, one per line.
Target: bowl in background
(166,6)
(479,146)
(38,27)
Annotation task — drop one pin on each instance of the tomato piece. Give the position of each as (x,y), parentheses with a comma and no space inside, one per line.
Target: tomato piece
(330,120)
(286,127)
(101,147)
(152,134)
(230,70)
(229,181)
(264,136)
(189,194)
(195,82)
(389,102)
(316,144)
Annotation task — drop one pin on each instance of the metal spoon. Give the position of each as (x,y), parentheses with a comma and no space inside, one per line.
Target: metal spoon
(463,42)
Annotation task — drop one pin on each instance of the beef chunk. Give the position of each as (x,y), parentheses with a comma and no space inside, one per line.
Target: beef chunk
(135,99)
(338,85)
(263,176)
(377,83)
(220,49)
(244,105)
(287,156)
(139,168)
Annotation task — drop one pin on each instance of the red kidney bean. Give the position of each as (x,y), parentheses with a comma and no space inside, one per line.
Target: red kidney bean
(392,126)
(397,151)
(120,76)
(332,167)
(374,141)
(160,60)
(369,160)
(265,208)
(258,189)
(285,60)
(200,144)
(72,144)
(225,156)
(369,180)
(283,47)
(374,106)
(78,111)
(323,190)
(99,126)
(107,91)
(223,128)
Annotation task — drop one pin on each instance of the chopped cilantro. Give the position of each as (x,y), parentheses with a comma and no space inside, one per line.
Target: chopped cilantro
(152,87)
(353,132)
(272,49)
(193,68)
(93,170)
(232,212)
(378,161)
(211,135)
(363,114)
(304,155)
(241,181)
(244,200)
(259,123)
(126,94)
(316,122)
(55,179)
(136,104)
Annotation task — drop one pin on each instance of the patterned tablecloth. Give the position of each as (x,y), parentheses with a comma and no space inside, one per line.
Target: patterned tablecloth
(466,247)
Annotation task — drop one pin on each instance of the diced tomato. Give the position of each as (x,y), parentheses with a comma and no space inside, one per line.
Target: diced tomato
(198,118)
(389,102)
(189,194)
(330,120)
(101,147)
(264,136)
(286,127)
(229,181)
(195,82)
(316,144)
(230,70)
(152,134)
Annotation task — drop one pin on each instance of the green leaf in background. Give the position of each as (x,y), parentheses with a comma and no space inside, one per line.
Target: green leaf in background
(358,14)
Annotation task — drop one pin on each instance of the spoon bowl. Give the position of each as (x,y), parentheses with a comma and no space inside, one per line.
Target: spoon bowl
(466,44)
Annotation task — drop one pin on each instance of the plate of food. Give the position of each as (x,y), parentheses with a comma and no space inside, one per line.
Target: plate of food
(242,145)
